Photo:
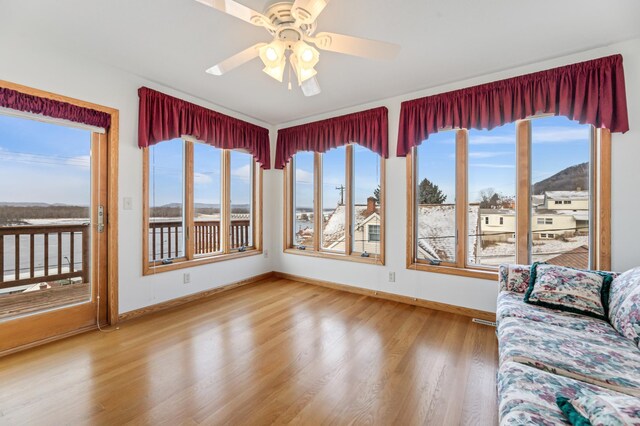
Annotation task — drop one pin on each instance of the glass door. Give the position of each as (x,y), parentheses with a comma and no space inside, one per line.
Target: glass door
(52,221)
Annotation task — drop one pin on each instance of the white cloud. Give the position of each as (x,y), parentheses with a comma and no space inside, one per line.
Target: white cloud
(82,161)
(242,171)
(492,139)
(304,176)
(487,154)
(493,166)
(201,178)
(557,134)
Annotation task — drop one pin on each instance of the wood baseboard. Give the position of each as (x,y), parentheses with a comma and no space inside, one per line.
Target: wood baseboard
(191,297)
(438,306)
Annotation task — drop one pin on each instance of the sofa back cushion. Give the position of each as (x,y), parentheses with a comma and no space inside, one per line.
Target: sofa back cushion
(624,304)
(568,289)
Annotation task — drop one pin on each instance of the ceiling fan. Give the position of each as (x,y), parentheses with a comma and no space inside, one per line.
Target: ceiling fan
(292,25)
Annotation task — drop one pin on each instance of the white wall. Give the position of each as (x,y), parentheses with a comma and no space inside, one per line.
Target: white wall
(470,292)
(79,78)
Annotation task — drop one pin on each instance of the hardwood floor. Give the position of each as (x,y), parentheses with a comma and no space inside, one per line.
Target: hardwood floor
(273,352)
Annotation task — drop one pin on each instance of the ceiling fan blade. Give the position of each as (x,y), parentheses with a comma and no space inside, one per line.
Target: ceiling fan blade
(355,46)
(310,87)
(236,60)
(240,11)
(307,11)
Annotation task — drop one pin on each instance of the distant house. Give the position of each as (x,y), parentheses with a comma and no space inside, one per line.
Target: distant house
(556,213)
(566,200)
(366,232)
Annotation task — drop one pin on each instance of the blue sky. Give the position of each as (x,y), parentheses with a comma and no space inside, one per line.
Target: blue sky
(557,143)
(43,162)
(366,172)
(166,185)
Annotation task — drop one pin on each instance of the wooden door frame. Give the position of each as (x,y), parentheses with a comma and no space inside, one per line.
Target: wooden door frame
(112,187)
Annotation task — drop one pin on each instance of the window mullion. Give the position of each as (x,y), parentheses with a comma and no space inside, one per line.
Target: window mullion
(188,201)
(523,191)
(461,197)
(225,210)
(317,200)
(348,229)
(602,226)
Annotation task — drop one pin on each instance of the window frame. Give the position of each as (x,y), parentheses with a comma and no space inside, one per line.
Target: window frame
(600,204)
(190,259)
(316,250)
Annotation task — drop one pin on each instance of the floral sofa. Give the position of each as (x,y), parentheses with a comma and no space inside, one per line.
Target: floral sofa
(546,353)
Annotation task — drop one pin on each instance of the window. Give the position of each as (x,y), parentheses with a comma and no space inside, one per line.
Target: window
(524,172)
(193,193)
(340,193)
(374,233)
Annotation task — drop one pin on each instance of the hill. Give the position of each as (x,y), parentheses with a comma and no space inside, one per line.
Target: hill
(569,179)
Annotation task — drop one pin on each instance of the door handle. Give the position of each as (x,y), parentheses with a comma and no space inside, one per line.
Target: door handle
(100,218)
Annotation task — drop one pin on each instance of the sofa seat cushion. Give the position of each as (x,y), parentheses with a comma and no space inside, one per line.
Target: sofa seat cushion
(607,360)
(528,395)
(511,305)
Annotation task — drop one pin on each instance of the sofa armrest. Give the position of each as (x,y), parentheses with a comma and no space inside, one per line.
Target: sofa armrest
(514,278)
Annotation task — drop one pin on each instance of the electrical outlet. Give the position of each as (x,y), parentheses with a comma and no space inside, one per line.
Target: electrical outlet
(392,277)
(186,277)
(265,253)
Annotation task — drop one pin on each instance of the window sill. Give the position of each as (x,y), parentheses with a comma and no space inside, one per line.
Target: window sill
(149,269)
(452,270)
(337,256)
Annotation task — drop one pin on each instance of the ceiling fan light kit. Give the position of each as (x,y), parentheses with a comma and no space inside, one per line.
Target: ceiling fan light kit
(292,25)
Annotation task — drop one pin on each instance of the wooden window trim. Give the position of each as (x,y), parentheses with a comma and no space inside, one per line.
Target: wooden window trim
(601,205)
(316,249)
(191,259)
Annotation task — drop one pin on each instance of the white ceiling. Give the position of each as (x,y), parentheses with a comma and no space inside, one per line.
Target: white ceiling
(172,42)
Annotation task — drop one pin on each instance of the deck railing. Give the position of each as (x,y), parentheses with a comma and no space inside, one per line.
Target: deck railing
(44,242)
(166,237)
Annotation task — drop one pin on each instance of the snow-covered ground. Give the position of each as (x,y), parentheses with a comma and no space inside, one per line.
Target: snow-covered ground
(437,230)
(542,250)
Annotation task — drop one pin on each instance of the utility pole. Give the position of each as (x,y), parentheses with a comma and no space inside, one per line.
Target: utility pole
(341,188)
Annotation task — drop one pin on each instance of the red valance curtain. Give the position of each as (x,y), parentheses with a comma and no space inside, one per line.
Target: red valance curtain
(51,108)
(591,92)
(163,117)
(368,128)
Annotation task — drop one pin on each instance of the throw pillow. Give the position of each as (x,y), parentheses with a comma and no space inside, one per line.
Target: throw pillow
(599,410)
(568,289)
(624,312)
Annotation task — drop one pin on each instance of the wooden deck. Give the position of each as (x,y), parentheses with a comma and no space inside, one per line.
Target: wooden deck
(273,352)
(41,300)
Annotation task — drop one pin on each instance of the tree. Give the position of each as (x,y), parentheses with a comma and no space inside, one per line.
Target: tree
(376,194)
(429,193)
(490,199)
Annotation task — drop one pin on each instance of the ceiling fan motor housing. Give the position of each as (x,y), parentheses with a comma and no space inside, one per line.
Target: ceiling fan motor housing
(280,15)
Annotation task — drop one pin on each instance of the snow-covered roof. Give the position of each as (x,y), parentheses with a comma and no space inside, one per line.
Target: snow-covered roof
(537,200)
(501,212)
(567,195)
(333,231)
(436,228)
